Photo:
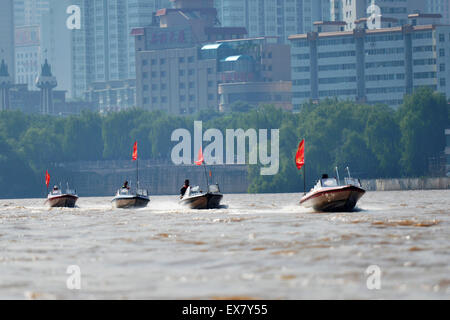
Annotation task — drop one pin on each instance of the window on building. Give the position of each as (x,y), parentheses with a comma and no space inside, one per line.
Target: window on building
(181,73)
(191,72)
(181,60)
(442,82)
(191,85)
(190,59)
(144,62)
(163,74)
(441,37)
(163,99)
(442,52)
(442,67)
(182,85)
(162,61)
(153,62)
(163,86)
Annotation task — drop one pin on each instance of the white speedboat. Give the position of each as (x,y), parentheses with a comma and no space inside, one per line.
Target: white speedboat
(331,196)
(194,198)
(126,199)
(58,199)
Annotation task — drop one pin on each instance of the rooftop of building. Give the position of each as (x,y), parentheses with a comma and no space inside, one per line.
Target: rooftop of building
(368,31)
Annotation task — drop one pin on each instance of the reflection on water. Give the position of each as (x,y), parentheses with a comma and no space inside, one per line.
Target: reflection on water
(257,246)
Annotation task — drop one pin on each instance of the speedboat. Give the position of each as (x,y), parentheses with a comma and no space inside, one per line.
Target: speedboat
(126,199)
(194,198)
(330,196)
(62,200)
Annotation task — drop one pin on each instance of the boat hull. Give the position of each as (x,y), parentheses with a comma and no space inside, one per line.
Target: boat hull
(130,202)
(204,201)
(62,201)
(340,199)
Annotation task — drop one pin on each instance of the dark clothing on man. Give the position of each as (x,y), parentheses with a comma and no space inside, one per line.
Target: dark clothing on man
(183,190)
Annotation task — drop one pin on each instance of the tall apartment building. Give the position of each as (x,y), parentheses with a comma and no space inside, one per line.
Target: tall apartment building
(371,66)
(30,12)
(56,42)
(103,49)
(440,6)
(352,10)
(7,34)
(272,17)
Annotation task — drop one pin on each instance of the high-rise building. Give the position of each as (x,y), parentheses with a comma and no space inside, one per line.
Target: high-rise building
(371,66)
(352,10)
(55,43)
(272,17)
(440,6)
(103,49)
(7,34)
(30,12)
(28,55)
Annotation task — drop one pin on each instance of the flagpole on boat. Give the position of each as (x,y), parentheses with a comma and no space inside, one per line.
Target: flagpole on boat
(304,179)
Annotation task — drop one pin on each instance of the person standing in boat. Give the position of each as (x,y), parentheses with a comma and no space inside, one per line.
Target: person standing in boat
(183,190)
(125,185)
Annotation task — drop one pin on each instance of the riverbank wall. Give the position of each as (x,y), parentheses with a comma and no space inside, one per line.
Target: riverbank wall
(406,184)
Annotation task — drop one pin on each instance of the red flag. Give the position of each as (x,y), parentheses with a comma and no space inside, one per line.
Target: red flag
(300,156)
(135,155)
(210,173)
(200,158)
(47,178)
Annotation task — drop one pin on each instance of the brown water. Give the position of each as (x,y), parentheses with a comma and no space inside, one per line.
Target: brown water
(261,246)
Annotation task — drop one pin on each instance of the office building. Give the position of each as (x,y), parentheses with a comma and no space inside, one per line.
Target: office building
(28,55)
(7,34)
(30,12)
(187,63)
(103,49)
(272,17)
(351,11)
(440,6)
(371,66)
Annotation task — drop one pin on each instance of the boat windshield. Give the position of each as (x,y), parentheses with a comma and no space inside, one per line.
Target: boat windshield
(142,192)
(330,182)
(123,191)
(214,188)
(71,191)
(352,182)
(56,192)
(194,190)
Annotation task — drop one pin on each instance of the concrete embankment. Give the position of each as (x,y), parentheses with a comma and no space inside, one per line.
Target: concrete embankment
(406,184)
